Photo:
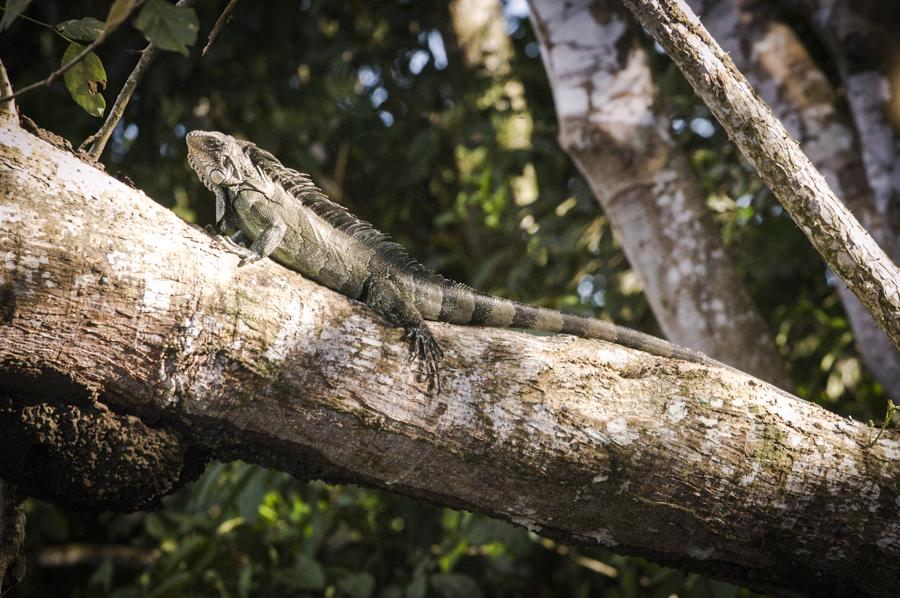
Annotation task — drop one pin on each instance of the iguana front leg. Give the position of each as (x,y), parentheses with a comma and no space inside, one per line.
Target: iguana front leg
(270,238)
(267,242)
(386,298)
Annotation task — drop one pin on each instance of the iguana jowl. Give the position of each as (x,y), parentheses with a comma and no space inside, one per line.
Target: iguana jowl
(287,218)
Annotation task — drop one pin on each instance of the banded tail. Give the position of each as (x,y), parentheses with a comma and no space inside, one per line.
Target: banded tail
(458,304)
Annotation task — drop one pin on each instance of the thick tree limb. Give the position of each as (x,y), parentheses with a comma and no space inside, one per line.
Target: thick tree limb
(604,94)
(834,232)
(120,309)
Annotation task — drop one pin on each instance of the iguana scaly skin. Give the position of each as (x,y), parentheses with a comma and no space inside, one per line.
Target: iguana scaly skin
(287,218)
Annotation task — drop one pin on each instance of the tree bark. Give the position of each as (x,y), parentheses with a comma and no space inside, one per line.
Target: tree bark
(778,65)
(12,536)
(604,95)
(834,232)
(112,310)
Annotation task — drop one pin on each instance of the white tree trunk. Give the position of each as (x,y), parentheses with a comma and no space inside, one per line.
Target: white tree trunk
(128,337)
(604,95)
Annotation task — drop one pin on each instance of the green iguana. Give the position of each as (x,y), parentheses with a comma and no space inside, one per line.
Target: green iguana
(286,217)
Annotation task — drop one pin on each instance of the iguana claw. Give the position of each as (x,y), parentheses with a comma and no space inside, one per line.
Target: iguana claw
(249,258)
(425,350)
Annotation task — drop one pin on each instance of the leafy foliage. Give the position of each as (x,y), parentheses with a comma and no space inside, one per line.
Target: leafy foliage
(86,30)
(168,27)
(244,531)
(461,166)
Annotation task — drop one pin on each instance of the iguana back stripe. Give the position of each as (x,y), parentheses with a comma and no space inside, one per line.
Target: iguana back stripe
(501,313)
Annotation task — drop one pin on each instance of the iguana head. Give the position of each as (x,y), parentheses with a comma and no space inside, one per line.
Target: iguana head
(218,159)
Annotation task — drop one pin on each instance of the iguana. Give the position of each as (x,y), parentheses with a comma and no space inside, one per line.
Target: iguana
(286,217)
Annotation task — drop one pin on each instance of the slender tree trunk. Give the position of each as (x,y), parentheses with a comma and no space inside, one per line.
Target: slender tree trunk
(604,95)
(862,39)
(132,348)
(778,65)
(834,232)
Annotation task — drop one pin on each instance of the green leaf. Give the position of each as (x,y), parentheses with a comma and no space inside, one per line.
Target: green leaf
(102,577)
(245,581)
(154,526)
(417,587)
(455,585)
(358,585)
(118,12)
(391,592)
(87,29)
(720,589)
(85,80)
(310,575)
(13,9)
(251,496)
(172,585)
(170,27)
(486,531)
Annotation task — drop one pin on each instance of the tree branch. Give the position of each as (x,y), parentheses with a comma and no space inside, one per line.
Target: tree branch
(7,109)
(834,232)
(99,139)
(126,311)
(220,22)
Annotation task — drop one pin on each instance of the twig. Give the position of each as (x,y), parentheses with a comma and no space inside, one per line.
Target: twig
(72,555)
(7,109)
(888,420)
(220,22)
(78,58)
(99,139)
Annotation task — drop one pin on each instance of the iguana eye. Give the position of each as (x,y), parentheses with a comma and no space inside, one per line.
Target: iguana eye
(217,176)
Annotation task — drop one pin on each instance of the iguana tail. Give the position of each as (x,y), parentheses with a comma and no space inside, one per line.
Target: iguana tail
(460,304)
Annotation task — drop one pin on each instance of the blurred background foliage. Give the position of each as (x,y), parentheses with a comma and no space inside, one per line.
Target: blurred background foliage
(460,164)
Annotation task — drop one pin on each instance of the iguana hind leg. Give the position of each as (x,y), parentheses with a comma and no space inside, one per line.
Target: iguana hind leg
(387,298)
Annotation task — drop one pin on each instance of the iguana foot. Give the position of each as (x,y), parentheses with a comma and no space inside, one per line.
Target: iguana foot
(251,257)
(425,350)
